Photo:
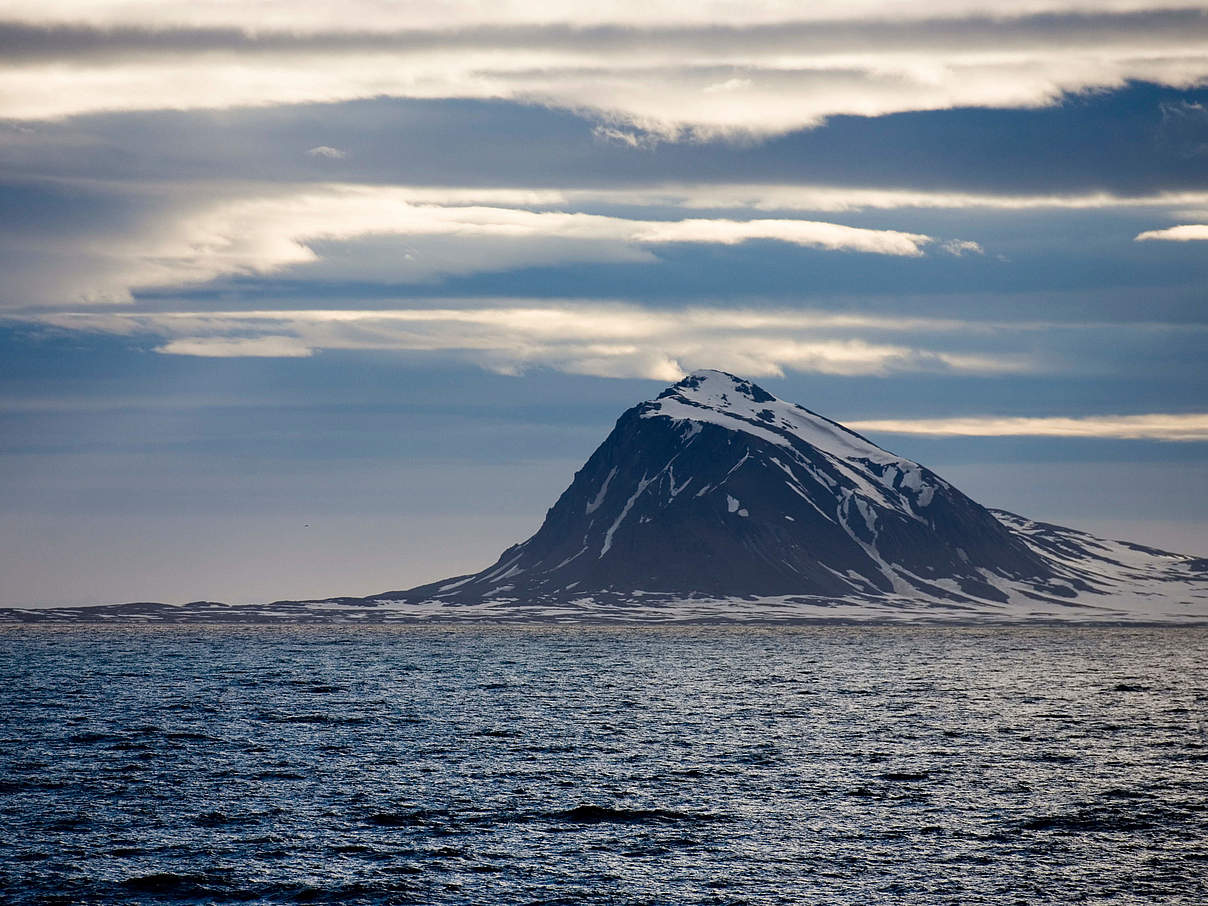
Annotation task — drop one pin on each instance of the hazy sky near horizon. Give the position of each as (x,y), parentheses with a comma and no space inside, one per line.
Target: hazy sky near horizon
(305,300)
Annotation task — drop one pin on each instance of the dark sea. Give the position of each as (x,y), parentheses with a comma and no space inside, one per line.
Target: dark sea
(334,764)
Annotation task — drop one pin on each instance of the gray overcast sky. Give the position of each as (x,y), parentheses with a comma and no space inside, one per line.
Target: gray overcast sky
(309,302)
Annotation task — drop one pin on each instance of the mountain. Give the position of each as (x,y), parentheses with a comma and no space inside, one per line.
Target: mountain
(718,501)
(716,489)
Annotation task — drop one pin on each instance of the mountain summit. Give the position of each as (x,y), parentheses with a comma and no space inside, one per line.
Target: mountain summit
(718,488)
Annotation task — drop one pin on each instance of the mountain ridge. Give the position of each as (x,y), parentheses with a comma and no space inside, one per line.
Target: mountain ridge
(716,501)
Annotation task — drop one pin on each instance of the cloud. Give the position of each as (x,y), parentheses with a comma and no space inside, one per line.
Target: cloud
(629,138)
(460,15)
(1150,426)
(1055,153)
(328,152)
(755,69)
(1186,233)
(162,236)
(607,340)
(961,247)
(839,199)
(828,236)
(237,347)
(402,235)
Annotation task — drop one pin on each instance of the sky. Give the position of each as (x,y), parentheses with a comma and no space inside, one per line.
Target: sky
(303,299)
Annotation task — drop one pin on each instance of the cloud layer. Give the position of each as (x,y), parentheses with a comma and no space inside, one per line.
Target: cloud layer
(1186,233)
(1151,426)
(408,234)
(667,71)
(605,340)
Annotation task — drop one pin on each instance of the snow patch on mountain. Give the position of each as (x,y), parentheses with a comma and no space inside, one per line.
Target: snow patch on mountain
(642,485)
(594,504)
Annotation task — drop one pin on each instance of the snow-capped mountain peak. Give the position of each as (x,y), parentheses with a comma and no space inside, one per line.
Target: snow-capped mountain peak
(720,398)
(718,487)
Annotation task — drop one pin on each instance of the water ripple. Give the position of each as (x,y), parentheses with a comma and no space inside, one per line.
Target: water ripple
(368,765)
